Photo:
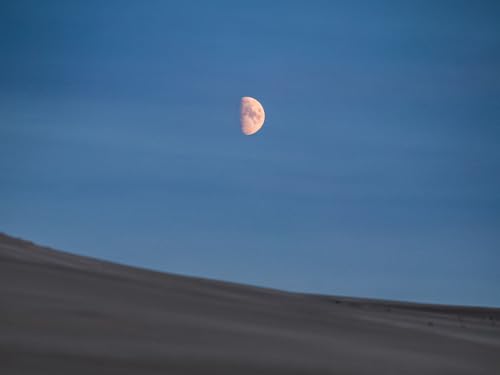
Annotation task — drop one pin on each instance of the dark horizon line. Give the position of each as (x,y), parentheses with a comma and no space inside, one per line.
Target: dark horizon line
(334,298)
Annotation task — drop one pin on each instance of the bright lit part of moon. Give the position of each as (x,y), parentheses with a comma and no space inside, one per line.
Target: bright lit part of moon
(252,115)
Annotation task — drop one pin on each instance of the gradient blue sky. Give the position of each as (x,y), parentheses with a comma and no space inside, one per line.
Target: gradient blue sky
(376,174)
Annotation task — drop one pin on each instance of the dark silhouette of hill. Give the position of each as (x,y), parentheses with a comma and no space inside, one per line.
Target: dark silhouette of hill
(66,314)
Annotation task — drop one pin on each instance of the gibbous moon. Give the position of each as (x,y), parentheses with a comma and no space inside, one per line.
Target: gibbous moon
(252,115)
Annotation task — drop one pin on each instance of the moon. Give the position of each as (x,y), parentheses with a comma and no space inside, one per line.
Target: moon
(252,115)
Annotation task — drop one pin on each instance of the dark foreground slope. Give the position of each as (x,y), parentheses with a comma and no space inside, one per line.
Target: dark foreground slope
(65,314)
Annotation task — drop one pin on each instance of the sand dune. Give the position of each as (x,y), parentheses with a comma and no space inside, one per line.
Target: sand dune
(66,314)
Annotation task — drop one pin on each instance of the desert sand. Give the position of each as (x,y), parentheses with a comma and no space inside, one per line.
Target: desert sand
(67,314)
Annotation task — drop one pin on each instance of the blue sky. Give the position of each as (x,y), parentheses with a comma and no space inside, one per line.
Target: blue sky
(377,172)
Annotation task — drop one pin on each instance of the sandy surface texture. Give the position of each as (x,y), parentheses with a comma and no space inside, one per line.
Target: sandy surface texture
(66,314)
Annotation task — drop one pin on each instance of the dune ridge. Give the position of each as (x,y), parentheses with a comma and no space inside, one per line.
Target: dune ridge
(63,313)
